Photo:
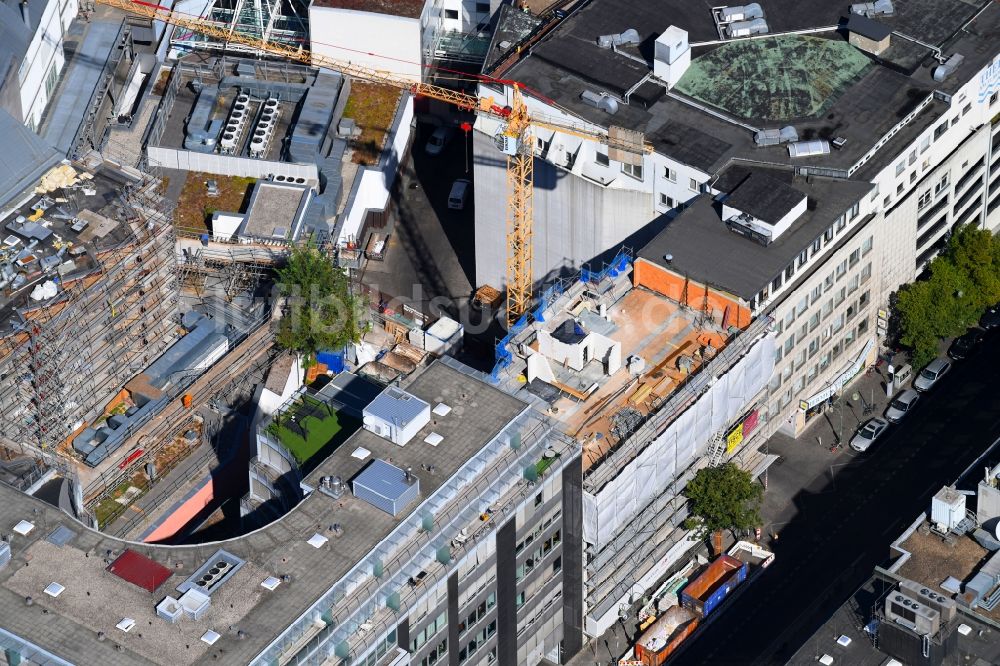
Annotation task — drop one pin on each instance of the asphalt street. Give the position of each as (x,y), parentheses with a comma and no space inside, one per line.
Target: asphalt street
(842,529)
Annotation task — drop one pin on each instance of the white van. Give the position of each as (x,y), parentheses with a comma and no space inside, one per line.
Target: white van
(459,193)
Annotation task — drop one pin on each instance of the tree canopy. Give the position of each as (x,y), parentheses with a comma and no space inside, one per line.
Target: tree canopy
(321,313)
(962,282)
(723,498)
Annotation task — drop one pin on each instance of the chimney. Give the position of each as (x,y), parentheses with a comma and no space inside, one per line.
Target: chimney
(24,13)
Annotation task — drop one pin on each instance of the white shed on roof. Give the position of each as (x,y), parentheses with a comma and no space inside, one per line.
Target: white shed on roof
(396,415)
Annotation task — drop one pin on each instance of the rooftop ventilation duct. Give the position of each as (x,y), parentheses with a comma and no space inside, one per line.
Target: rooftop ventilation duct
(630,36)
(757,26)
(941,72)
(870,9)
(741,13)
(601,101)
(772,137)
(808,148)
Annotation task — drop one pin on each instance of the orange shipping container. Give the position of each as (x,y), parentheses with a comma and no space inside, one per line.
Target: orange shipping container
(665,635)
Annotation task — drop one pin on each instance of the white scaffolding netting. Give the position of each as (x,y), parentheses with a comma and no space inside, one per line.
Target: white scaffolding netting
(683,441)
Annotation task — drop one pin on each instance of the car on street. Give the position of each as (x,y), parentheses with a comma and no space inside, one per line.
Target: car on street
(965,344)
(459,193)
(990,318)
(929,376)
(901,405)
(439,139)
(868,433)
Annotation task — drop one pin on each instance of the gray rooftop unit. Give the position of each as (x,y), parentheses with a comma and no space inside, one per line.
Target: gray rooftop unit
(870,9)
(386,487)
(742,12)
(772,137)
(757,26)
(630,36)
(809,148)
(941,72)
(601,101)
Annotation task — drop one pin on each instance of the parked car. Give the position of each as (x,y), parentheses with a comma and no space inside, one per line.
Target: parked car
(901,405)
(990,318)
(459,193)
(928,377)
(439,139)
(965,344)
(868,433)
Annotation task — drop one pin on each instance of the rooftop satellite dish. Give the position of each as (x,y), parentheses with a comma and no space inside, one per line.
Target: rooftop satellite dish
(668,258)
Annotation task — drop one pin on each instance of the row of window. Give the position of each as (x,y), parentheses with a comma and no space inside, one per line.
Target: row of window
(381,649)
(532,561)
(481,8)
(478,613)
(425,634)
(838,322)
(485,634)
(537,532)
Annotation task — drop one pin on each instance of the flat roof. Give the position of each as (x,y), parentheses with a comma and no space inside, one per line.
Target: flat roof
(765,197)
(867,27)
(403,8)
(707,251)
(567,62)
(96,600)
(275,210)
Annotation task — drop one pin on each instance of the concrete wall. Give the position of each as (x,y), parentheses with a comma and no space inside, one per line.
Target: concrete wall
(359,35)
(575,219)
(649,275)
(183,513)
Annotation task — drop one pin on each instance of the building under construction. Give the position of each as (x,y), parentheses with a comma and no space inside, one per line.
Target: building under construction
(90,298)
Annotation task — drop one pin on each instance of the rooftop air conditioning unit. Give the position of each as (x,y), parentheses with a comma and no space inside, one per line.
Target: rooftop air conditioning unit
(741,13)
(630,36)
(912,614)
(871,9)
(945,606)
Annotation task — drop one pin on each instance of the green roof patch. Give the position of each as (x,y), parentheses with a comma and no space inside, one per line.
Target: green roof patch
(776,78)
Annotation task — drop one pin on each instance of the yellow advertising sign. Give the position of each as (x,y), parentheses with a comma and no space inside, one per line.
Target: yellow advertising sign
(734,438)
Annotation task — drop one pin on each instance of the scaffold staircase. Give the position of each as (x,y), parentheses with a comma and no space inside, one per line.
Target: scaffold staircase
(717,449)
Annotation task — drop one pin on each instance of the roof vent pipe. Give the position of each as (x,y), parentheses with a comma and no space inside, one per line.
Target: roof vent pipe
(630,36)
(941,72)
(25,14)
(601,101)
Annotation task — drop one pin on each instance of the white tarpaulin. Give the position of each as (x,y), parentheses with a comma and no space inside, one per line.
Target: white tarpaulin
(677,447)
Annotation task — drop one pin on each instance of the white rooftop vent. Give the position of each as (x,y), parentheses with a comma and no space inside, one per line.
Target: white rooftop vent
(54,589)
(195,603)
(871,9)
(433,439)
(602,101)
(809,148)
(630,36)
(947,508)
(24,527)
(271,583)
(210,637)
(772,137)
(317,540)
(360,453)
(671,55)
(757,26)
(442,409)
(964,629)
(844,640)
(126,624)
(826,660)
(941,72)
(170,610)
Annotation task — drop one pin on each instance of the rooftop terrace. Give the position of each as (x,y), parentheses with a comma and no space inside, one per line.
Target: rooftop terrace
(95,600)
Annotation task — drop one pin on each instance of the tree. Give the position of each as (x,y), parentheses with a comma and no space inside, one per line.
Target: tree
(321,313)
(723,498)
(961,283)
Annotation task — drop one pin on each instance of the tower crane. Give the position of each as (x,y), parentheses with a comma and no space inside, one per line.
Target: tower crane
(515,138)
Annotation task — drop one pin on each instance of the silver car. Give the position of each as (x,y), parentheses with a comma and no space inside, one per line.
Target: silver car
(929,375)
(901,405)
(868,433)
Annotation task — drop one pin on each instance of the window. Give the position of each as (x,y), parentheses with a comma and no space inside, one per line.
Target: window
(828,282)
(855,210)
(813,347)
(886,202)
(913,177)
(816,294)
(51,79)
(866,272)
(779,326)
(436,654)
(827,332)
(670,174)
(842,269)
(854,258)
(827,308)
(942,185)
(866,246)
(828,235)
(693,185)
(538,499)
(776,378)
(862,327)
(817,246)
(899,188)
(543,145)
(812,373)
(912,158)
(863,300)
(800,383)
(849,338)
(925,143)
(841,222)
(803,258)
(841,295)
(966,109)
(789,271)
(874,195)
(776,283)
(824,361)
(940,129)
(954,121)
(789,318)
(482,7)
(901,167)
(666,201)
(993,98)
(451,14)
(800,360)
(789,343)
(837,348)
(853,284)
(925,198)
(838,322)
(803,304)
(803,332)
(813,321)
(852,310)
(787,374)
(634,170)
(602,159)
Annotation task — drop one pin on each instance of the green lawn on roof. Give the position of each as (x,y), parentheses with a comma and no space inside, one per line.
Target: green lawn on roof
(310,426)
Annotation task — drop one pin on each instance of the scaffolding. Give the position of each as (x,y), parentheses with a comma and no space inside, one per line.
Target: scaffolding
(64,360)
(267,20)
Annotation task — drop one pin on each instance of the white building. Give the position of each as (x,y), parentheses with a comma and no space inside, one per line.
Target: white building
(31,54)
